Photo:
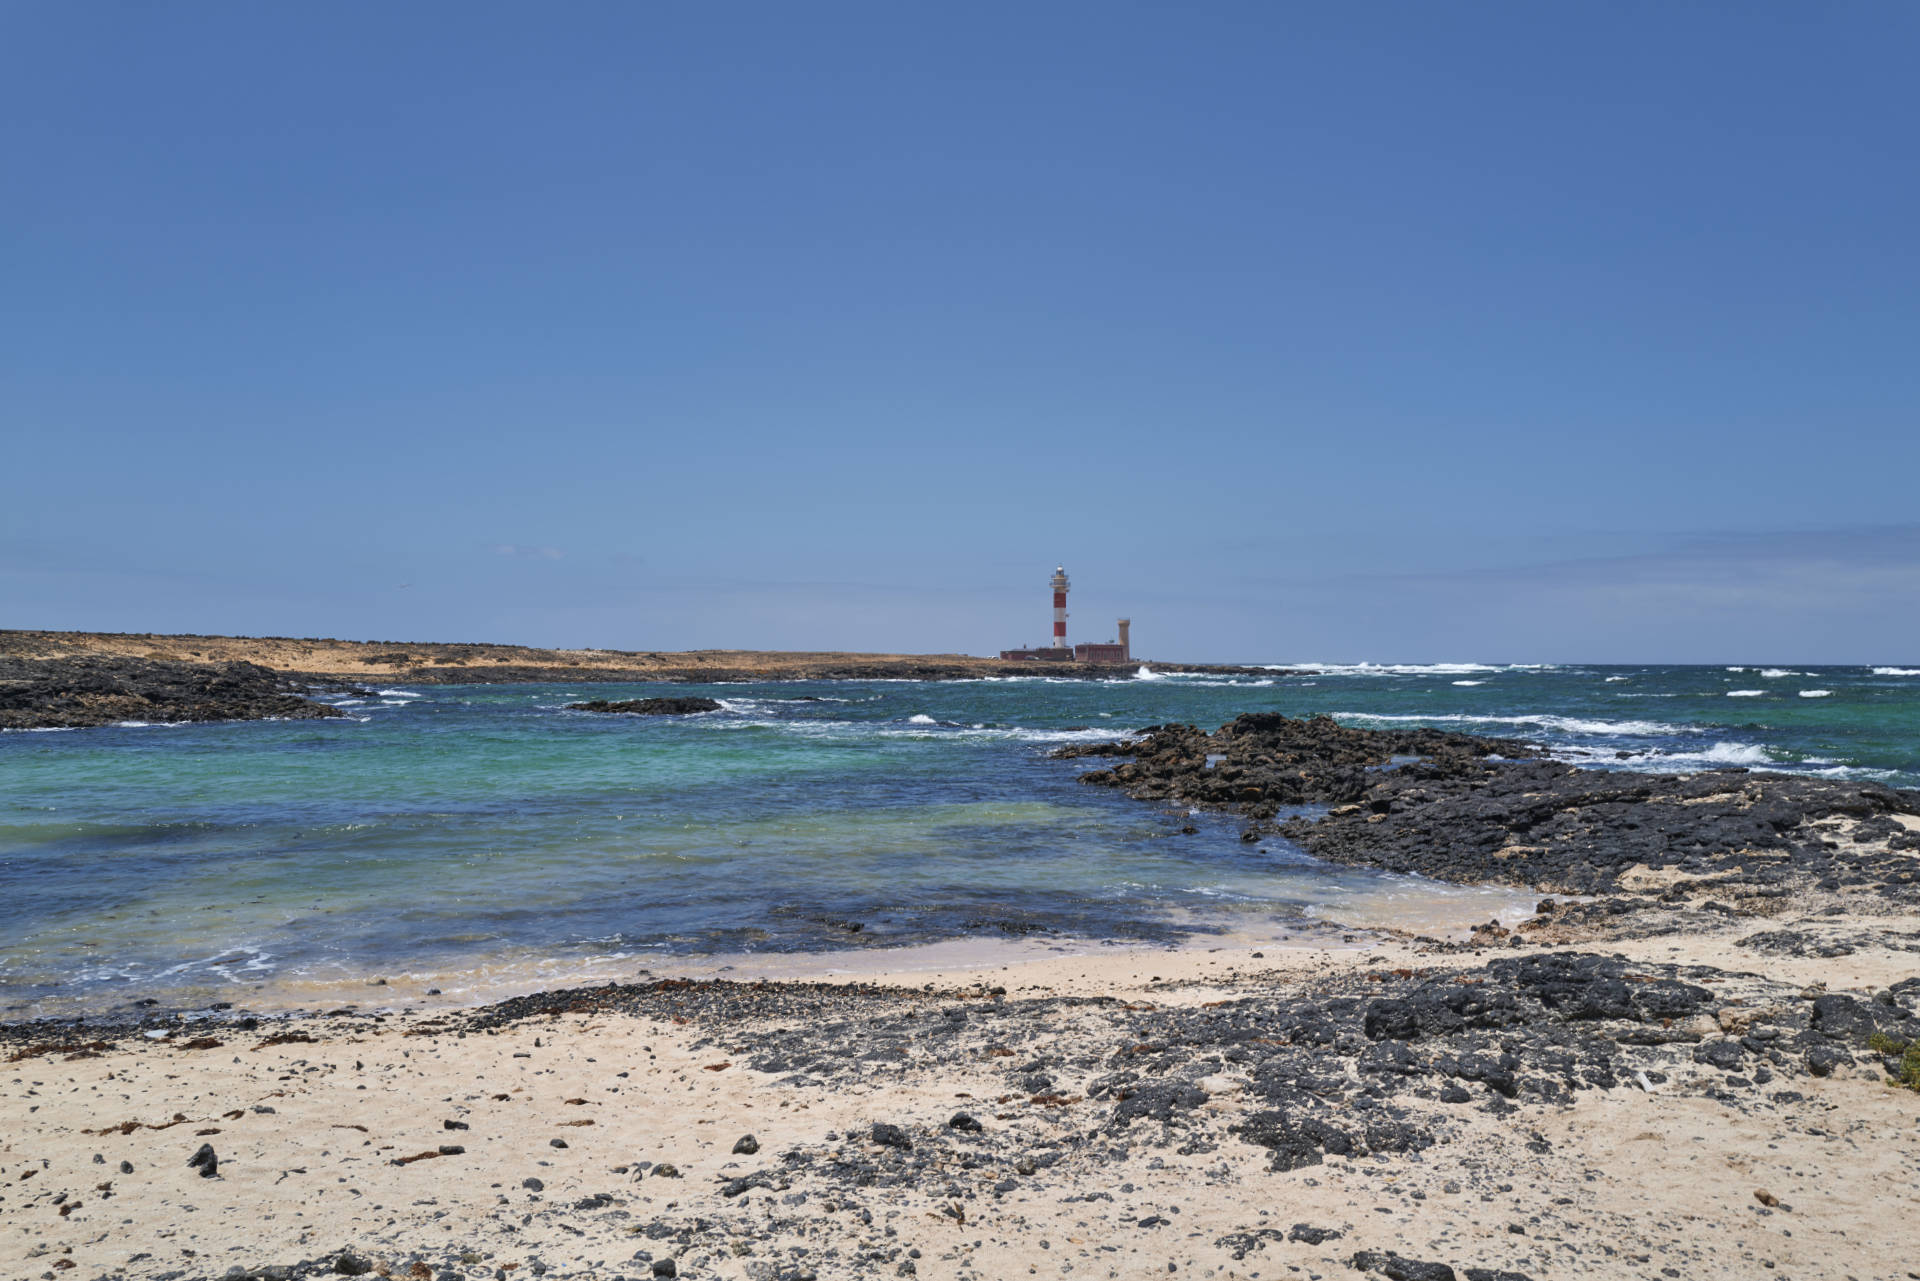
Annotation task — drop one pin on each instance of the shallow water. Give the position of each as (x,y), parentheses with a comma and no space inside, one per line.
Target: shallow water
(455,833)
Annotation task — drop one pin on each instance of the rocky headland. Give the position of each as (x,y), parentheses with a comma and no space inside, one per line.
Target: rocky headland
(90,690)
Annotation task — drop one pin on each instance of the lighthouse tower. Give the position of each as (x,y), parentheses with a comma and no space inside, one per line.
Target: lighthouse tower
(1059,607)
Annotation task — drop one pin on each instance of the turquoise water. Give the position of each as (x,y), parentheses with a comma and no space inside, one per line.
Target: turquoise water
(454,830)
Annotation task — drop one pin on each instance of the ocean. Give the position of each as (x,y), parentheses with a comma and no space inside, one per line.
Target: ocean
(485,839)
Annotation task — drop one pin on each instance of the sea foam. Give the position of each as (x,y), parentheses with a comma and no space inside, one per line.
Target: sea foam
(1564,724)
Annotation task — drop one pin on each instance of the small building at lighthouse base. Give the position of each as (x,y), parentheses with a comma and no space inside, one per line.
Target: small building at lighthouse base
(1085,653)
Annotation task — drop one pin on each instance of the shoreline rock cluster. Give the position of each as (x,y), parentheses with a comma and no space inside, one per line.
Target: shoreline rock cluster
(1473,810)
(94,690)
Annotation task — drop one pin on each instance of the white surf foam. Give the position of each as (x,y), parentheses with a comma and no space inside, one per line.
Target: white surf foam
(1564,724)
(396,693)
(1611,679)
(1896,671)
(1816,693)
(1147,674)
(1775,673)
(1469,683)
(918,719)
(1745,693)
(1725,753)
(1413,669)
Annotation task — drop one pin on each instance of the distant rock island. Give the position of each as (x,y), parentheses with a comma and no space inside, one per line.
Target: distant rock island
(648,706)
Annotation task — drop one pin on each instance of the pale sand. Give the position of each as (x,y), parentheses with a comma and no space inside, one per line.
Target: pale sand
(1627,1184)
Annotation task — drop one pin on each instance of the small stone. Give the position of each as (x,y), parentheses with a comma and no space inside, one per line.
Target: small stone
(533,1185)
(665,1268)
(454,1125)
(556,1143)
(666,1170)
(1766,1198)
(126,1167)
(746,1145)
(98,1159)
(452,1149)
(205,1161)
(890,1136)
(962,1121)
(352,1265)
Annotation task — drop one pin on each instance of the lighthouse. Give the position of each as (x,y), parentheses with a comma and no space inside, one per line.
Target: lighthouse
(1060,607)
(1115,651)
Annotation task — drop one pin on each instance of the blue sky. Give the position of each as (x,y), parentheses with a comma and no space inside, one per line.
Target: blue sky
(1392,332)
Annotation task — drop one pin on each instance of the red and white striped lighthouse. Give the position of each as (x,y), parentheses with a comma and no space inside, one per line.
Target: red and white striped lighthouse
(1059,607)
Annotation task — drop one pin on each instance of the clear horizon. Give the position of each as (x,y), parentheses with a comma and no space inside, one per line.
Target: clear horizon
(1511,334)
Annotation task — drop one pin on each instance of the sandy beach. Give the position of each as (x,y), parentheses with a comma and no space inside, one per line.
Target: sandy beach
(965,1122)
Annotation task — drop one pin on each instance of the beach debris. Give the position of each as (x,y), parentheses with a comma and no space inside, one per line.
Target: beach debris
(1396,1268)
(891,1136)
(205,1161)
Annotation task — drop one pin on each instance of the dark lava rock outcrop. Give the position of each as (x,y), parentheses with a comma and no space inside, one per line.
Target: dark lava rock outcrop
(64,693)
(1262,761)
(1547,824)
(1461,808)
(649,706)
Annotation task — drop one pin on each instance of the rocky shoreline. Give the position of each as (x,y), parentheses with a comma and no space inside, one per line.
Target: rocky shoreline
(75,693)
(1639,847)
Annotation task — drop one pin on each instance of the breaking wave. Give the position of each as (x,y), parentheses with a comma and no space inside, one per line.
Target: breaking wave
(1413,669)
(1563,724)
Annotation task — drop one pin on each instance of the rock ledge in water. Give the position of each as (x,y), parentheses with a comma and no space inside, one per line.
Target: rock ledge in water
(649,706)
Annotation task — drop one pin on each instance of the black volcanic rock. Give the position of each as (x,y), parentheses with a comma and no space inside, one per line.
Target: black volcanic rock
(1476,810)
(649,706)
(1261,761)
(48,693)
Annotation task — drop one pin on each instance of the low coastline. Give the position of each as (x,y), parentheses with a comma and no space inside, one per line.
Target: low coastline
(1685,1071)
(72,680)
